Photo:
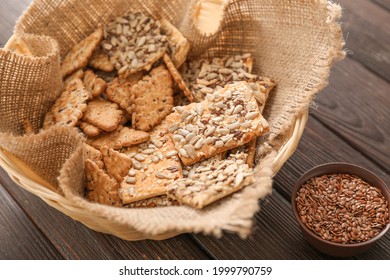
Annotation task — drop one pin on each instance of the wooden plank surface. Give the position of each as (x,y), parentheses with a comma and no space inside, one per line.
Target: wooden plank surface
(75,241)
(383,3)
(19,237)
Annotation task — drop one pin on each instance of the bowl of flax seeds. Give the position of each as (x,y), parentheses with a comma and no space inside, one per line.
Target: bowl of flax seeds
(342,209)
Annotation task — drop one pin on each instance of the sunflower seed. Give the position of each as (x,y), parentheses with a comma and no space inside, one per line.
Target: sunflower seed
(190,150)
(137,165)
(139,157)
(130,180)
(219,144)
(251,115)
(209,131)
(183,153)
(190,136)
(199,144)
(171,154)
(131,172)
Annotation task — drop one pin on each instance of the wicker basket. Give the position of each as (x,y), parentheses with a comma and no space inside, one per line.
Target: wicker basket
(22,175)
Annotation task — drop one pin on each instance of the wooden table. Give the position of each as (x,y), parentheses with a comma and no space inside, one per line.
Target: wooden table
(350,124)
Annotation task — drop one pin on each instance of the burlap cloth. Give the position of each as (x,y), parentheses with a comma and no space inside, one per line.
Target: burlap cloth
(294,42)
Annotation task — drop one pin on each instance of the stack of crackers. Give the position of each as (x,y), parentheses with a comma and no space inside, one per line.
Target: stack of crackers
(160,129)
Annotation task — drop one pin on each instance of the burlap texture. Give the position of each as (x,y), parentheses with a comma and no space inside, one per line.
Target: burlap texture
(294,42)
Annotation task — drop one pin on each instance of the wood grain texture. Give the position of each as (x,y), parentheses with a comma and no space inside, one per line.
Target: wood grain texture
(356,106)
(383,3)
(75,241)
(366,27)
(20,239)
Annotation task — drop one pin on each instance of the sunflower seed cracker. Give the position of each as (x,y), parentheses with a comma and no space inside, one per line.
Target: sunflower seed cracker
(158,201)
(79,55)
(214,116)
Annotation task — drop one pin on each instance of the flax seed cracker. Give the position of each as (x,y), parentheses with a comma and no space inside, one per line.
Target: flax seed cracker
(230,117)
(94,85)
(94,154)
(177,77)
(71,104)
(153,99)
(116,163)
(100,187)
(122,137)
(155,165)
(120,93)
(103,114)
(79,55)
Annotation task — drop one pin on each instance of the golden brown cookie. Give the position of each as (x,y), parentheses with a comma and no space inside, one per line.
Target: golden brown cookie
(79,55)
(122,137)
(100,187)
(117,164)
(71,104)
(103,114)
(153,99)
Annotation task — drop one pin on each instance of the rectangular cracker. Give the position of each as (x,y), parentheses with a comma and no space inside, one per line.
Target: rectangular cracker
(155,165)
(227,119)
(122,137)
(211,180)
(153,99)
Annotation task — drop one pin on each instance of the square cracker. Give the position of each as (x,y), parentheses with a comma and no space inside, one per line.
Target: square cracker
(103,114)
(71,104)
(79,55)
(153,99)
(116,163)
(211,180)
(155,165)
(100,187)
(122,137)
(227,119)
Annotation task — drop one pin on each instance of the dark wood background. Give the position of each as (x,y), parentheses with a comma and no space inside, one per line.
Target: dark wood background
(350,124)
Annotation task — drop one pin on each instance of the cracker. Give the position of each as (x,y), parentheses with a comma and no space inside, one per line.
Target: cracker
(78,74)
(27,126)
(227,119)
(178,45)
(71,104)
(79,55)
(103,114)
(158,201)
(120,93)
(211,180)
(134,42)
(100,61)
(219,72)
(153,99)
(94,154)
(155,165)
(89,129)
(94,85)
(122,137)
(117,164)
(177,77)
(100,187)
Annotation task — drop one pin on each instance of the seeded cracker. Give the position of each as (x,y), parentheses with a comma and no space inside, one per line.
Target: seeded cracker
(69,107)
(229,118)
(211,180)
(177,77)
(122,137)
(159,201)
(94,85)
(178,46)
(120,93)
(78,74)
(79,55)
(153,99)
(117,164)
(100,187)
(155,165)
(89,129)
(103,114)
(134,42)
(100,61)
(94,155)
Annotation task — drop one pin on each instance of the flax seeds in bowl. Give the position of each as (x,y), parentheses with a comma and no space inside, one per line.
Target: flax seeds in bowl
(342,209)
